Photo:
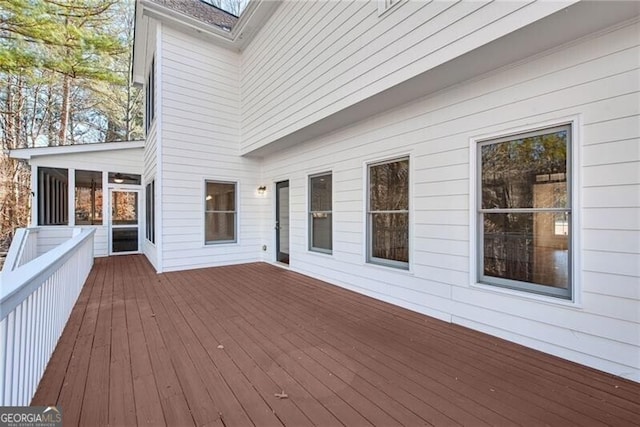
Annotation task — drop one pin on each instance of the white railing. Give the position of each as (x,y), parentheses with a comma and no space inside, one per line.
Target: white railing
(24,248)
(36,300)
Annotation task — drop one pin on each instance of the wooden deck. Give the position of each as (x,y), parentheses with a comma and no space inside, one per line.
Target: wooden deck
(214,347)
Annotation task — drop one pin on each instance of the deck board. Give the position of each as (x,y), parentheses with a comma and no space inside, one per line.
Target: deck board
(212,347)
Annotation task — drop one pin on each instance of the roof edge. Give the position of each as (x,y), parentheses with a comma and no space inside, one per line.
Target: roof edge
(29,153)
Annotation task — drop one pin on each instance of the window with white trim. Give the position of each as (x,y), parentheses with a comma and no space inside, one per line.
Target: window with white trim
(388,213)
(524,212)
(320,213)
(220,215)
(150,211)
(150,106)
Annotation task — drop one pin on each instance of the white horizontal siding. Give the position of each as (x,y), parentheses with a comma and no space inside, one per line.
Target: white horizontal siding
(597,80)
(51,237)
(313,59)
(200,141)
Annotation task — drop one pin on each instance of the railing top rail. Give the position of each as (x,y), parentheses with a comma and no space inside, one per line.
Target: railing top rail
(18,284)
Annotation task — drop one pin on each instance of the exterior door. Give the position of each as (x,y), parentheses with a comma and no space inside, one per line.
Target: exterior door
(282,222)
(124,223)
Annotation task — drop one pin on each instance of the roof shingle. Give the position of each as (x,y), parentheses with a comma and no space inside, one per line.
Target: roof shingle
(201,11)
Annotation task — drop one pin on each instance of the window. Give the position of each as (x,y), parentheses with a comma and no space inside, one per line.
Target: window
(149,97)
(220,216)
(53,196)
(524,212)
(150,206)
(320,218)
(388,213)
(88,197)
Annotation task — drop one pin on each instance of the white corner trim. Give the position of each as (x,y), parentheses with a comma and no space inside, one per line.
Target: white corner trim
(159,172)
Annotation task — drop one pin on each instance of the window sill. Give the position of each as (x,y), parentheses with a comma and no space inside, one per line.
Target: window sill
(221,244)
(319,252)
(391,268)
(527,295)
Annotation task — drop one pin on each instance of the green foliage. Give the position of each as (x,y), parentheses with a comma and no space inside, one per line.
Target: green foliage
(64,79)
(69,37)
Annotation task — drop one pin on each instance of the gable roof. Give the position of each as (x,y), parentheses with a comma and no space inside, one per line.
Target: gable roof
(201,11)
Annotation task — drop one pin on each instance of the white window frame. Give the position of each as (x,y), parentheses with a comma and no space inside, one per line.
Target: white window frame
(370,259)
(537,292)
(209,243)
(150,104)
(150,211)
(310,213)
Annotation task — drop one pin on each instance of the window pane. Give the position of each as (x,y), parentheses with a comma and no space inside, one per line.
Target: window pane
(88,197)
(390,236)
(124,207)
(321,231)
(526,173)
(526,247)
(220,196)
(150,211)
(220,227)
(53,196)
(320,193)
(125,239)
(389,186)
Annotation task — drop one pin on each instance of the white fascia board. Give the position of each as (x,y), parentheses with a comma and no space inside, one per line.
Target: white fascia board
(171,17)
(29,153)
(247,26)
(139,46)
(251,20)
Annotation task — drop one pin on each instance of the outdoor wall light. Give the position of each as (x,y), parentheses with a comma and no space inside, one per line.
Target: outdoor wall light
(262,189)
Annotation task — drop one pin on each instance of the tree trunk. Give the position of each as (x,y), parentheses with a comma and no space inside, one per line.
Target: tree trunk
(64,111)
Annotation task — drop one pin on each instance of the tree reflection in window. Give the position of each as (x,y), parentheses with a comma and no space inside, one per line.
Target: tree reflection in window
(388,213)
(525,211)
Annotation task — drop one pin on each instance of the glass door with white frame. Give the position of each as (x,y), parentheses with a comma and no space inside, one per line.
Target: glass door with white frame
(124,221)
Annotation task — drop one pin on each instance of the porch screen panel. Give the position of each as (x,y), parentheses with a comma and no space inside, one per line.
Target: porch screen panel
(88,197)
(53,196)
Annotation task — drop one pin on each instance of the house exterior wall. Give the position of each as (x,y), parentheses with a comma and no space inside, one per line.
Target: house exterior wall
(125,161)
(200,139)
(151,142)
(594,82)
(331,55)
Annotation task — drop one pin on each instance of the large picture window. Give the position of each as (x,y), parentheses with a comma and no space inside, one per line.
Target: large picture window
(320,213)
(524,212)
(388,213)
(88,197)
(220,217)
(150,212)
